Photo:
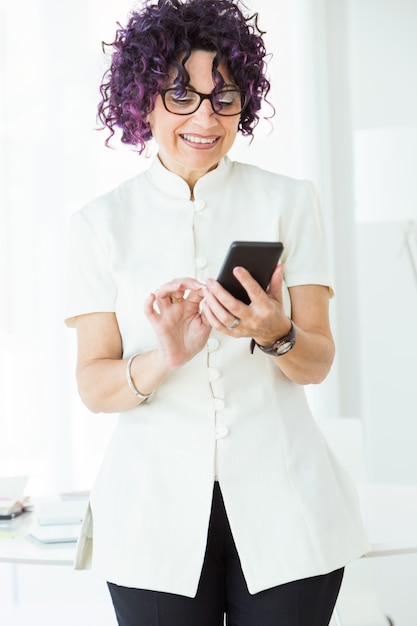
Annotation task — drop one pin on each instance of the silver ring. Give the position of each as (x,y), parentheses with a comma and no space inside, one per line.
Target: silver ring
(233,324)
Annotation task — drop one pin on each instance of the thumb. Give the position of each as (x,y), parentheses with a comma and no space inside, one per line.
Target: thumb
(275,285)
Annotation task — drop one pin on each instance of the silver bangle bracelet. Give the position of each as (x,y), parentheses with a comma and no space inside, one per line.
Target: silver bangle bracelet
(138,394)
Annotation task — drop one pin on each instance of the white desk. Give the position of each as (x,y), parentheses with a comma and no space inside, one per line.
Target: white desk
(390,513)
(21,549)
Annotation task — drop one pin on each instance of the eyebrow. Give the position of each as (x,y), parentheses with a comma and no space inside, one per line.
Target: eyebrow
(225,87)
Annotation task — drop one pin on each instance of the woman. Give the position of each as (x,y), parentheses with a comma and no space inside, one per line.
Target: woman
(218,494)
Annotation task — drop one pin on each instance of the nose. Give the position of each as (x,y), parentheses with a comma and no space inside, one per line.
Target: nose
(205,114)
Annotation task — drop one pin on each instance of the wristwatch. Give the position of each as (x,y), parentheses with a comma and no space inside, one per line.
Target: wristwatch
(280,346)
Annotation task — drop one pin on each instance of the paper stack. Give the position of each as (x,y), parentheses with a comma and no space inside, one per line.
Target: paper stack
(57,521)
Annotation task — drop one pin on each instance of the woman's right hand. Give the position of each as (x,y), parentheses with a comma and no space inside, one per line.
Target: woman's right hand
(174,313)
(181,332)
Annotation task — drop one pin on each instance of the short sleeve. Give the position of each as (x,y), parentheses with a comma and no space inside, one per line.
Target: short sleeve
(306,257)
(91,286)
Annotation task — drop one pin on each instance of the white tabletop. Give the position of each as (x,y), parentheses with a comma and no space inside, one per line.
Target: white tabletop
(16,546)
(390,514)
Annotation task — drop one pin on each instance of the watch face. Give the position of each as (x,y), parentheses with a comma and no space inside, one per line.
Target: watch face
(284,347)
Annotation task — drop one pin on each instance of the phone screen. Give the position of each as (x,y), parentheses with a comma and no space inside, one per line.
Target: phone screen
(258,257)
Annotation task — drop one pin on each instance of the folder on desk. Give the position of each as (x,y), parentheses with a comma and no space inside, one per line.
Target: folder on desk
(62,533)
(57,512)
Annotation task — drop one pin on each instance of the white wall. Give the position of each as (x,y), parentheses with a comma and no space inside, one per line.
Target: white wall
(384,105)
(383,55)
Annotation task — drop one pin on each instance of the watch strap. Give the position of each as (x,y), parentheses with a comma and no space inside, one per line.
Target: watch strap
(280,346)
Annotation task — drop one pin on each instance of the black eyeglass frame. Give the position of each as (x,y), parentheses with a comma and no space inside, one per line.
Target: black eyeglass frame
(208,96)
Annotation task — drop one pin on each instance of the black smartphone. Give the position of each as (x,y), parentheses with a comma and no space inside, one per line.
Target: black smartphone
(258,257)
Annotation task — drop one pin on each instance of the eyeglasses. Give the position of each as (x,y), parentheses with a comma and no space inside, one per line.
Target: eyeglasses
(226,102)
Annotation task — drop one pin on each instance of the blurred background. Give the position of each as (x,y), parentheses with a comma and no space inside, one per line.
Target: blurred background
(345,92)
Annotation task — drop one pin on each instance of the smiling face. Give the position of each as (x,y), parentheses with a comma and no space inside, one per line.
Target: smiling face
(192,145)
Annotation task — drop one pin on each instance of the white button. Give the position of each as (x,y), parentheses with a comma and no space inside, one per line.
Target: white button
(214,374)
(200,262)
(199,205)
(218,404)
(221,432)
(212,344)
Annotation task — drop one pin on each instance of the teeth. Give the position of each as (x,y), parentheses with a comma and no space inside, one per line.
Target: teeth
(198,139)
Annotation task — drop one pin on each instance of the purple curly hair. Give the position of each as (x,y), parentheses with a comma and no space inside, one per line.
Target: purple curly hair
(152,43)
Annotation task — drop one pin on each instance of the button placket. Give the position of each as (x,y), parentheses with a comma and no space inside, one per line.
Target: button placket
(200,262)
(212,344)
(199,205)
(221,432)
(215,376)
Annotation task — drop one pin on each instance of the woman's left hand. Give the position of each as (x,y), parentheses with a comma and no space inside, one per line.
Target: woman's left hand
(264,319)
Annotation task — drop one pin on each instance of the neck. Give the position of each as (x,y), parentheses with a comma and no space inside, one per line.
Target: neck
(191,177)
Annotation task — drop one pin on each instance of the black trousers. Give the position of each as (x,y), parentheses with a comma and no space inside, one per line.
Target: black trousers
(222,591)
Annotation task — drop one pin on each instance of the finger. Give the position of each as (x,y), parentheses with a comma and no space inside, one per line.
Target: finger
(223,306)
(195,296)
(217,316)
(211,318)
(149,308)
(221,301)
(251,286)
(178,287)
(174,291)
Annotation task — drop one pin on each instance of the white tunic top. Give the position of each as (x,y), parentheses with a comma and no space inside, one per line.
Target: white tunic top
(227,414)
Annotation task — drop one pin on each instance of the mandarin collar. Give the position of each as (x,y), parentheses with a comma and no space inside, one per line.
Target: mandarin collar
(174,185)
